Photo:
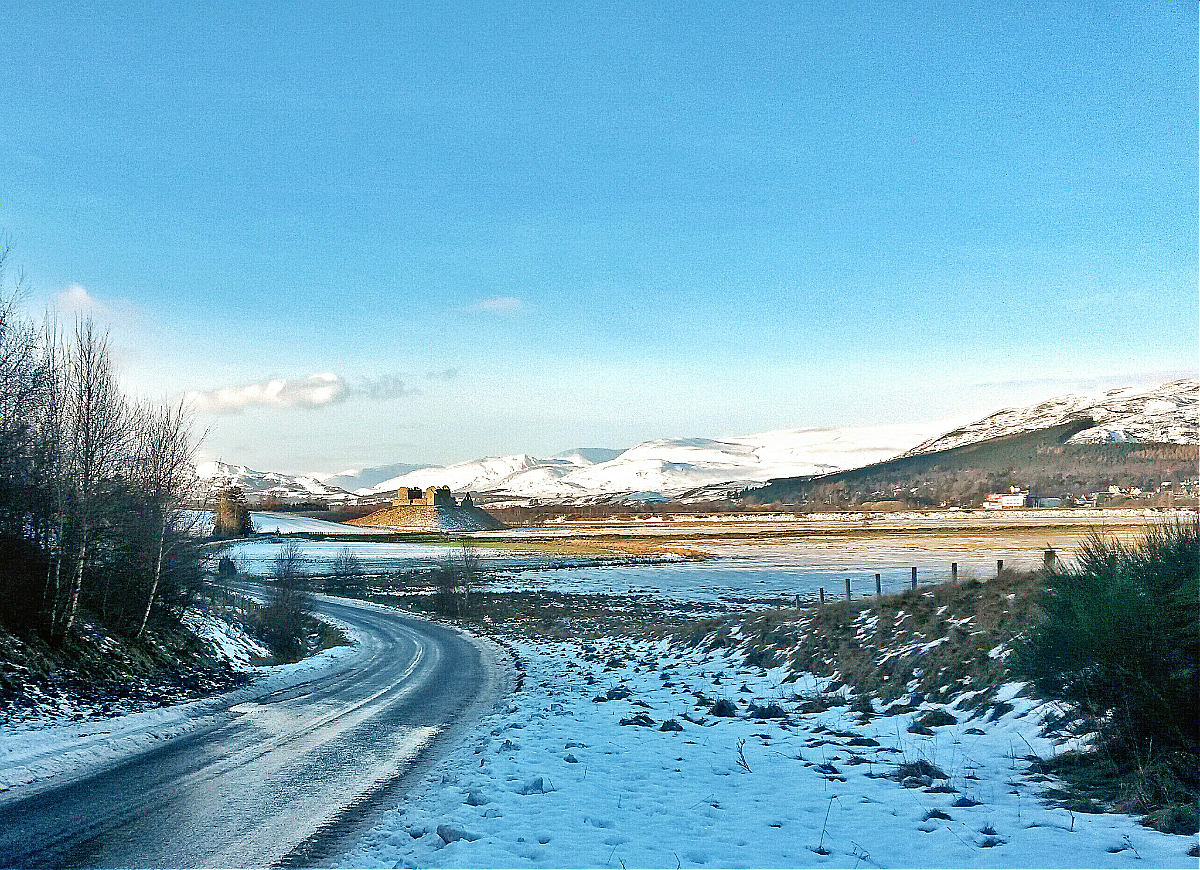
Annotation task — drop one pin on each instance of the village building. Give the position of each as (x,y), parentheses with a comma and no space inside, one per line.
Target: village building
(1019,498)
(1014,498)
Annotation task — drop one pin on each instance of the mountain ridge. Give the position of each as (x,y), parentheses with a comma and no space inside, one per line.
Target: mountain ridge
(1168,413)
(665,468)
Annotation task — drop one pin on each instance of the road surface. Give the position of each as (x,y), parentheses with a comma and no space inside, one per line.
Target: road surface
(282,778)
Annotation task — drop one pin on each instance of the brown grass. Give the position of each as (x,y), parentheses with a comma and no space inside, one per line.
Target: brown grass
(875,646)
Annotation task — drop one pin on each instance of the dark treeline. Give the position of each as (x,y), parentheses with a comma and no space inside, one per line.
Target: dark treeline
(92,487)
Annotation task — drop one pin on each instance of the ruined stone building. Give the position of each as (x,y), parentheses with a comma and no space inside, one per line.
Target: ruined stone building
(433,509)
(432,496)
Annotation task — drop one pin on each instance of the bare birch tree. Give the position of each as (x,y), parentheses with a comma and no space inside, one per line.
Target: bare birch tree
(98,436)
(91,491)
(165,473)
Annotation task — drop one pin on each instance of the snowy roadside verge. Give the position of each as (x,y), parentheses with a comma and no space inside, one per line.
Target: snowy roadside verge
(33,753)
(578,771)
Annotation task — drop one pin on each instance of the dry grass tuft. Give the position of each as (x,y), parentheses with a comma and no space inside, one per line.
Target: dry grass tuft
(931,644)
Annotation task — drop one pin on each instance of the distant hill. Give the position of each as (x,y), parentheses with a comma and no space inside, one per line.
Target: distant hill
(359,479)
(589,455)
(1048,462)
(1166,414)
(213,475)
(1068,446)
(666,467)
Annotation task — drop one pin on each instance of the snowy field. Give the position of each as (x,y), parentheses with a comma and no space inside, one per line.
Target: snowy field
(717,525)
(256,556)
(741,574)
(743,571)
(291,524)
(559,779)
(267,523)
(764,574)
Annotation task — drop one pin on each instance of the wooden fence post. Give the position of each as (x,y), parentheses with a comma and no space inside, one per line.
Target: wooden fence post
(953,572)
(1050,560)
(847,588)
(878,586)
(822,591)
(914,578)
(999,566)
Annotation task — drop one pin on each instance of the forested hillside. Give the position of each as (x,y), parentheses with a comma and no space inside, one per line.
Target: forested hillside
(1044,462)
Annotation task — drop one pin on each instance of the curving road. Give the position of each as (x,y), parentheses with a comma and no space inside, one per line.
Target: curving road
(282,778)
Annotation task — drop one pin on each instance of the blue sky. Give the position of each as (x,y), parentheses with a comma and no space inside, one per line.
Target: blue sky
(509,227)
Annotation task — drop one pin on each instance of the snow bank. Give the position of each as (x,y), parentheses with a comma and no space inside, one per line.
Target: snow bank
(32,752)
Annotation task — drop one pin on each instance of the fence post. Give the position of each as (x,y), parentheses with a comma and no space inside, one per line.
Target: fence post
(822,591)
(797,601)
(847,588)
(914,578)
(878,586)
(953,572)
(999,566)
(1049,560)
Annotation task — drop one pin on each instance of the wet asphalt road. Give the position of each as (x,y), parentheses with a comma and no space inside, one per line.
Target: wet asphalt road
(283,778)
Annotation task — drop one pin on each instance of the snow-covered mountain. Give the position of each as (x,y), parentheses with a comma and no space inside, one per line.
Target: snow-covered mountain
(1165,414)
(215,474)
(669,466)
(362,479)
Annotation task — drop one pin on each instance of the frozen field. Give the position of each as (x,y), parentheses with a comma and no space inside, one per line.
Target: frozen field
(904,522)
(739,574)
(267,523)
(290,524)
(257,556)
(746,573)
(751,561)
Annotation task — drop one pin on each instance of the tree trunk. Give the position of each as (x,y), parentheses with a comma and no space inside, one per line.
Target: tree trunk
(73,604)
(162,539)
(54,574)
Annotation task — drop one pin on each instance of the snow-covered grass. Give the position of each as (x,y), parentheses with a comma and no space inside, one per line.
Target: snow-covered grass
(556,779)
(44,746)
(229,641)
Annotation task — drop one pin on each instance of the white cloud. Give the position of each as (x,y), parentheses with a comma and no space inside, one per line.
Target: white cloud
(310,392)
(499,305)
(314,391)
(77,300)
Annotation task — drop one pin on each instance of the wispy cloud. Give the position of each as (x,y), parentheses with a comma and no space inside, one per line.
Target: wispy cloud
(77,301)
(443,374)
(498,305)
(315,391)
(380,389)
